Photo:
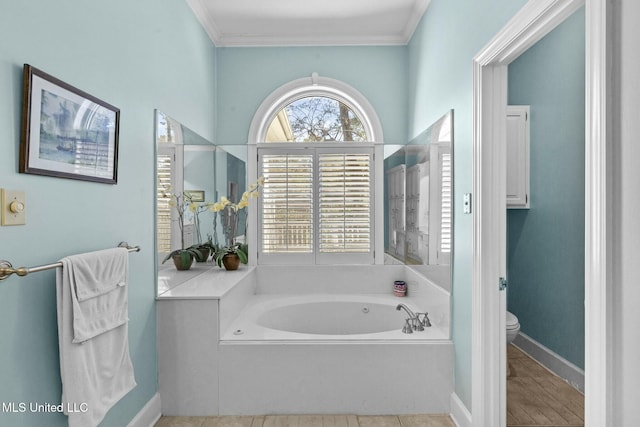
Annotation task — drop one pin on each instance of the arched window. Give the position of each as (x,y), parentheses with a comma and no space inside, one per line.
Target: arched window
(316,119)
(324,89)
(315,146)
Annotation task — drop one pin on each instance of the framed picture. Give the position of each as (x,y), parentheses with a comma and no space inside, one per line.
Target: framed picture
(195,195)
(66,132)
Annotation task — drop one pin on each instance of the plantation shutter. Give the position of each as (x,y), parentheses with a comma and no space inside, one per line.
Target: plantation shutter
(165,166)
(287,205)
(446,207)
(447,211)
(344,199)
(316,206)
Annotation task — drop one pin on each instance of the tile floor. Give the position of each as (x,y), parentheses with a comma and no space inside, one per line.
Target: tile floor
(309,421)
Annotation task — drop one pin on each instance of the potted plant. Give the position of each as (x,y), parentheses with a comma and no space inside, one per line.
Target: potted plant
(203,250)
(183,257)
(233,253)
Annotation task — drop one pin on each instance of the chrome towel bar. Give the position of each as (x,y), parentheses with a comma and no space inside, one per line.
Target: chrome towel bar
(6,269)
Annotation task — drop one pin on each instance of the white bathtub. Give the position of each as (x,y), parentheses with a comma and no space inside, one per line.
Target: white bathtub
(286,348)
(326,317)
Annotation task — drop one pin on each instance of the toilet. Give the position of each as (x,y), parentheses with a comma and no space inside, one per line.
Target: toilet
(513,327)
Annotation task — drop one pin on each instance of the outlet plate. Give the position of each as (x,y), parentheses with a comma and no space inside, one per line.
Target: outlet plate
(9,217)
(466,203)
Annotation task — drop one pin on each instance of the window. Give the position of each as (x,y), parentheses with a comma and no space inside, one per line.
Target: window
(316,119)
(315,142)
(287,203)
(446,211)
(165,167)
(316,205)
(170,178)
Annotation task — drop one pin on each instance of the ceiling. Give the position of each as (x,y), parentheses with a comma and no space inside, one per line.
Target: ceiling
(309,23)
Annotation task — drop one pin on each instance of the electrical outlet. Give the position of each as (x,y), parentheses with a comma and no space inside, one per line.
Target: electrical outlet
(466,203)
(13,207)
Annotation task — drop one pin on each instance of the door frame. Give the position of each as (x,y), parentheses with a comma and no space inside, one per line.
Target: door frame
(536,19)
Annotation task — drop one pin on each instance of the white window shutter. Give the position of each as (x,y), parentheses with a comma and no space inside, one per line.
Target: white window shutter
(287,203)
(316,206)
(165,168)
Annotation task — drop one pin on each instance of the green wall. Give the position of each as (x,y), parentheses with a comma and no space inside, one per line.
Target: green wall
(137,56)
(441,55)
(545,255)
(246,76)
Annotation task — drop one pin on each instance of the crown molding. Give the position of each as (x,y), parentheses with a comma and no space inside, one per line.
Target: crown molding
(220,39)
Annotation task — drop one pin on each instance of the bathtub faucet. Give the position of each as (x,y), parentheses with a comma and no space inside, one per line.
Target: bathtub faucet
(413,323)
(407,309)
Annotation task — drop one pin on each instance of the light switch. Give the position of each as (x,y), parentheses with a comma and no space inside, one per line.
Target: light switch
(13,207)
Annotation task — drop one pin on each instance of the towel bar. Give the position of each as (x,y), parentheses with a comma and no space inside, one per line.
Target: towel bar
(6,269)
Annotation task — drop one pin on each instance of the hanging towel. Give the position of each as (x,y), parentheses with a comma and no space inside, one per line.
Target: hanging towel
(95,365)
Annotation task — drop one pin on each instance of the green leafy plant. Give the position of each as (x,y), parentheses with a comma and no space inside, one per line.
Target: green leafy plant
(178,201)
(229,218)
(238,249)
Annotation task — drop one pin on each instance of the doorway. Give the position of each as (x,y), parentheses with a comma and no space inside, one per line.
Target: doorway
(533,22)
(545,229)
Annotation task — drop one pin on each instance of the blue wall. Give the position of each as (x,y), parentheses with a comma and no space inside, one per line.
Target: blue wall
(546,243)
(137,56)
(246,76)
(440,58)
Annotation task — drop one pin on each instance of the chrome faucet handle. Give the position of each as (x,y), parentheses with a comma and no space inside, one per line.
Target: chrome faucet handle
(408,328)
(425,319)
(417,324)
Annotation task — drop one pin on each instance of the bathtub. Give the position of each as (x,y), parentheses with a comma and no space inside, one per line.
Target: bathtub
(287,348)
(330,317)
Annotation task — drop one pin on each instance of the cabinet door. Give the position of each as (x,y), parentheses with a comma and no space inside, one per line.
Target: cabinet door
(518,157)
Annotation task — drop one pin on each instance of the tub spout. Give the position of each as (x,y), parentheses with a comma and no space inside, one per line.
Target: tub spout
(407,309)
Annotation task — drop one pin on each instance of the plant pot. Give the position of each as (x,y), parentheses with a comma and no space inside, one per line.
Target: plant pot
(183,260)
(231,261)
(204,254)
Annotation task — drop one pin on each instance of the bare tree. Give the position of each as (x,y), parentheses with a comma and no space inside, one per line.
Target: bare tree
(323,119)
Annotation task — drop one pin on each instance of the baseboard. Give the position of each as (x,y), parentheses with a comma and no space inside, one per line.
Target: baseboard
(550,360)
(459,413)
(149,414)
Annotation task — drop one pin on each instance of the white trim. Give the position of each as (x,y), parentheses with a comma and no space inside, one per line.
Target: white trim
(220,39)
(459,413)
(534,21)
(598,311)
(314,86)
(551,360)
(149,414)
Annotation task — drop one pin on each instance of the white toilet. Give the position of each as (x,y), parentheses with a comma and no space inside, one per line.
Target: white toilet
(513,327)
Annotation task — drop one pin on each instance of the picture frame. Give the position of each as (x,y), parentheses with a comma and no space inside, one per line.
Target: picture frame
(66,132)
(195,195)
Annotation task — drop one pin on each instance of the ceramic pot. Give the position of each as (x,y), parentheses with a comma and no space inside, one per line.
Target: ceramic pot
(183,260)
(204,252)
(231,261)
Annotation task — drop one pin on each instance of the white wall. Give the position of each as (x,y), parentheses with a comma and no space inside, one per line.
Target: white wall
(626,211)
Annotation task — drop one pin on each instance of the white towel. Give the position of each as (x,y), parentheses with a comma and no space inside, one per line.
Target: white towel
(95,365)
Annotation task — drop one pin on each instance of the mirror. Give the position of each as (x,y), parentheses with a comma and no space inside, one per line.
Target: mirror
(231,176)
(394,188)
(419,203)
(187,162)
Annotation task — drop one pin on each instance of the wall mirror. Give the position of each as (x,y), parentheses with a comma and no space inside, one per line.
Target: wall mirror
(394,188)
(419,203)
(188,163)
